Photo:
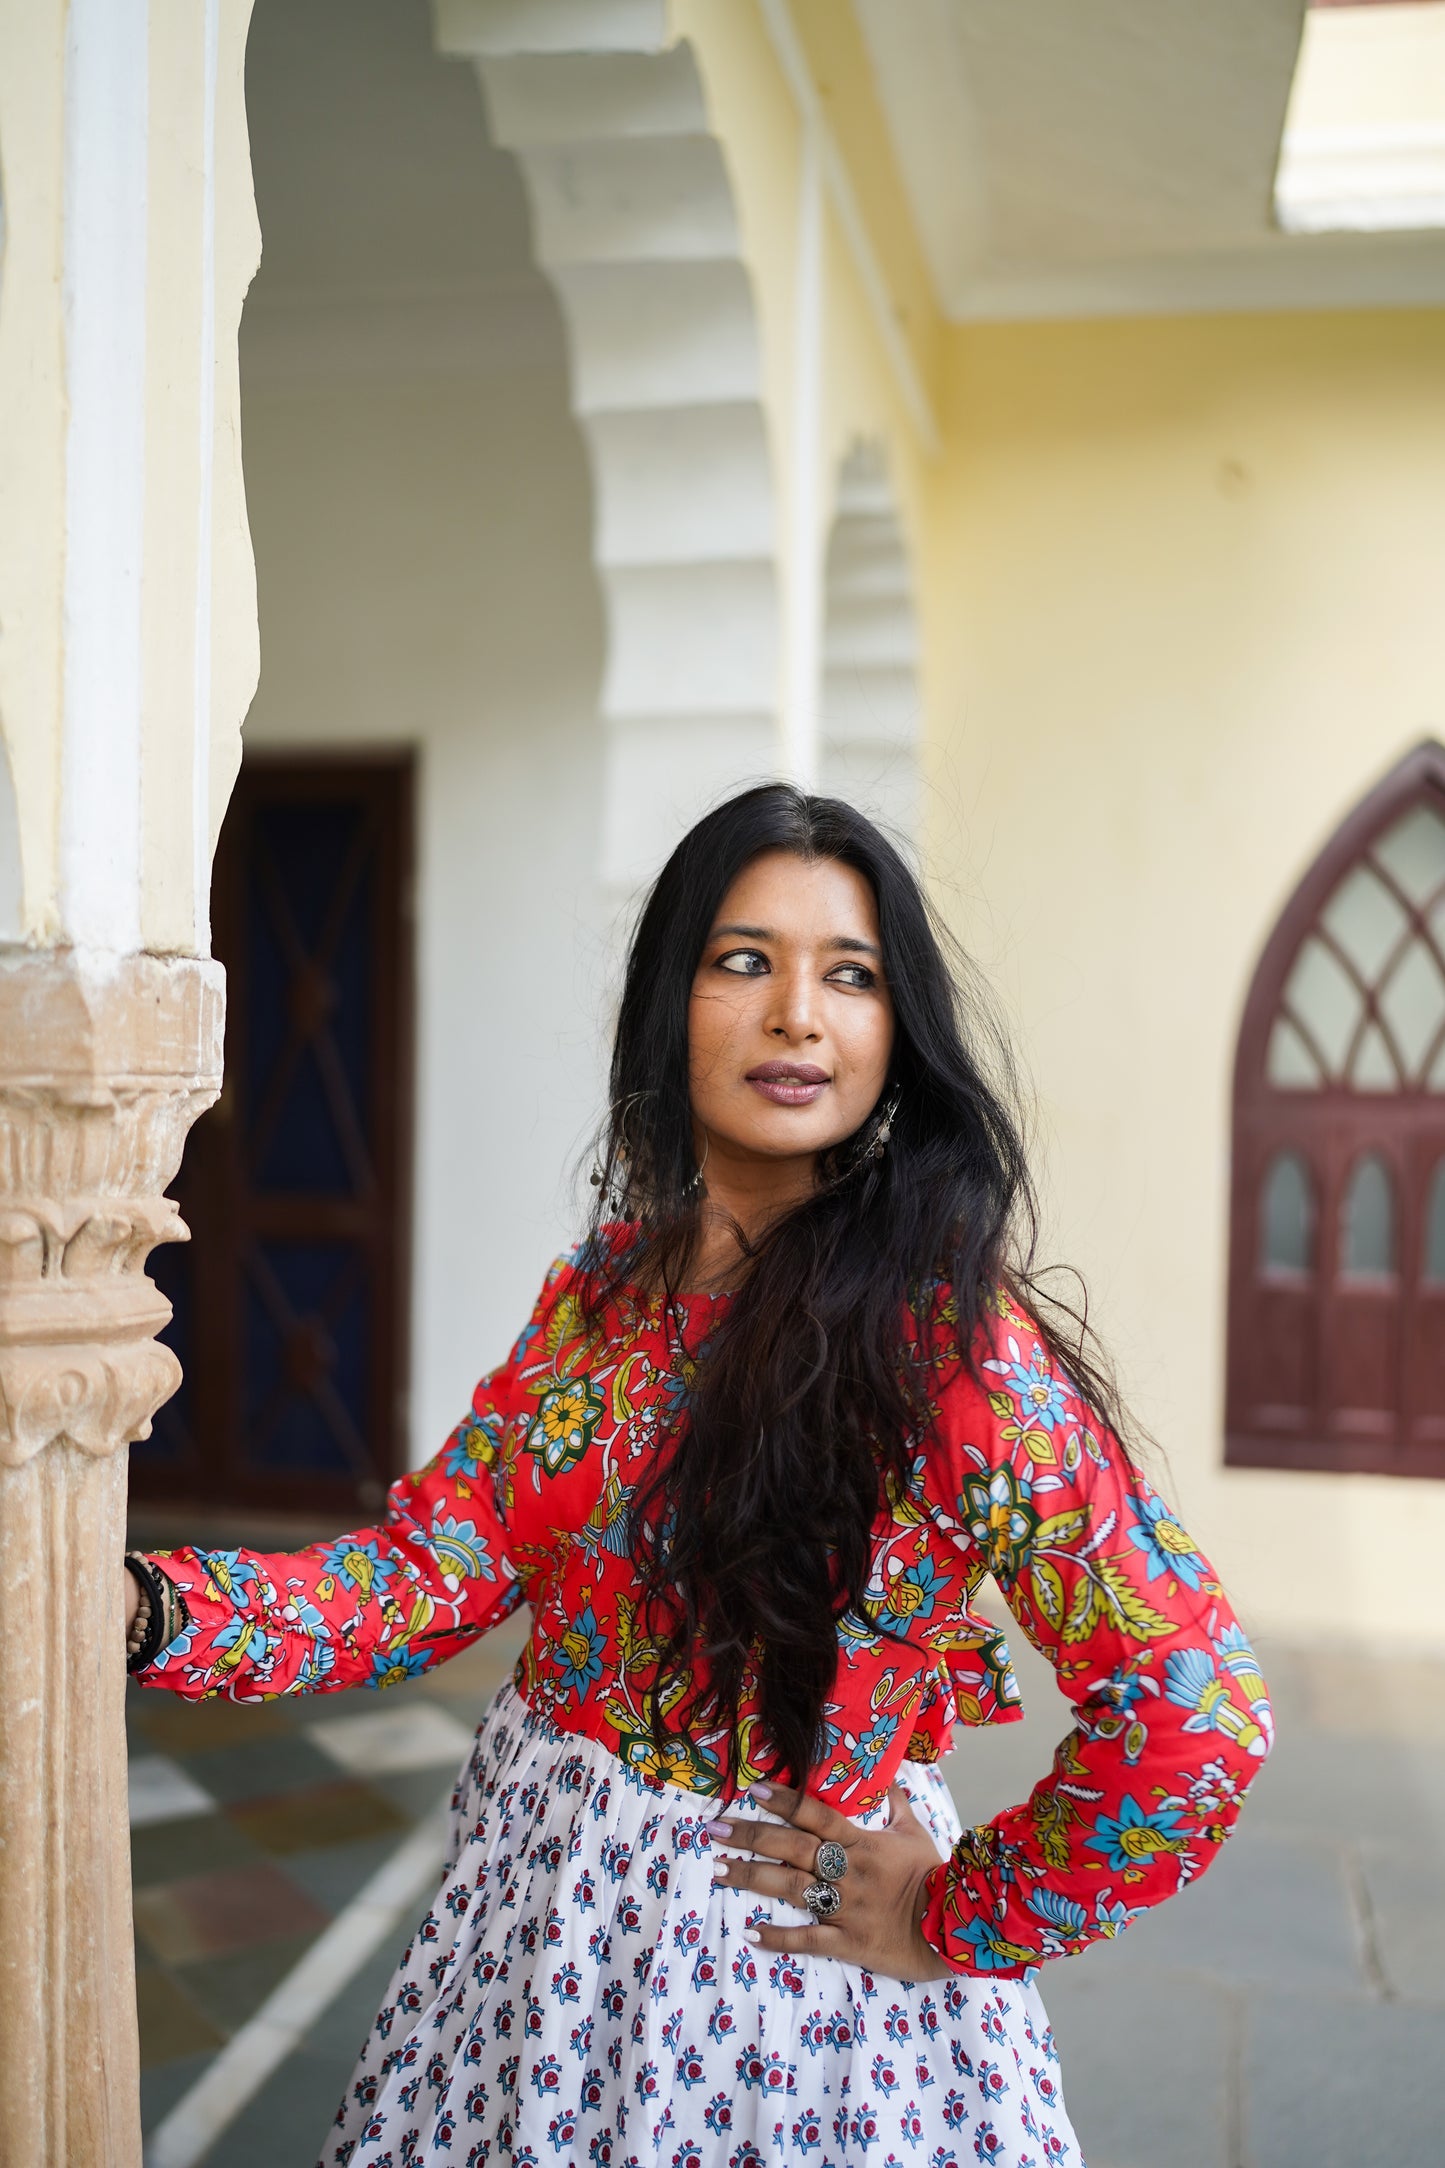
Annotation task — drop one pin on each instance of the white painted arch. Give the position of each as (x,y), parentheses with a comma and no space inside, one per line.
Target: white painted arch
(635,225)
(870,708)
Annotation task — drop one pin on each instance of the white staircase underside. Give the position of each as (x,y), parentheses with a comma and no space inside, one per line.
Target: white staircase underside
(870,706)
(634,225)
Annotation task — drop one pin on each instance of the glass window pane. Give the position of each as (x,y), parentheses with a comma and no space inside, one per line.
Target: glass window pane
(1367,1237)
(1287,1215)
(1412,1002)
(1365,919)
(1435,1227)
(1373,1068)
(1414,851)
(1320,993)
(1289,1062)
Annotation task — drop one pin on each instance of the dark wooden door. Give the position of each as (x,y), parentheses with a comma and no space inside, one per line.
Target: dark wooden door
(290,1299)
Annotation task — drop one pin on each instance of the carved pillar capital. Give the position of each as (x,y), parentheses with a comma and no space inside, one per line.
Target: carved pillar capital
(103,1068)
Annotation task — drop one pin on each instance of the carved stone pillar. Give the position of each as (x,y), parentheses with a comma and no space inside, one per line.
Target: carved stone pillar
(103,1068)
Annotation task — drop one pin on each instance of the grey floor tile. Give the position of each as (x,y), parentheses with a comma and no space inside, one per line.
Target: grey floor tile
(286,2124)
(342,2029)
(1406,1896)
(169,1850)
(231,1989)
(334,1873)
(415,1791)
(1351,1789)
(260,1767)
(1273,1911)
(1335,2084)
(163,2084)
(1146,2064)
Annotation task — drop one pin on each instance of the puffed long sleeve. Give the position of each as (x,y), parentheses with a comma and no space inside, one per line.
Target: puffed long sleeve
(1172,1716)
(375,1606)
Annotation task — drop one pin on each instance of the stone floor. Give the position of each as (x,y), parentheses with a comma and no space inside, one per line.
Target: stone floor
(1287,2013)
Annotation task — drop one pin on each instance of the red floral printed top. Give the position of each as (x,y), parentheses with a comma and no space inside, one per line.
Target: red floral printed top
(529,1500)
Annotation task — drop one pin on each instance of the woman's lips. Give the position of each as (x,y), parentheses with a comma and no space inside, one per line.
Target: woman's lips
(789,1083)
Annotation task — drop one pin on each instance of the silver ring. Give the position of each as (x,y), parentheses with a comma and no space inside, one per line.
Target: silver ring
(831,1863)
(823,1900)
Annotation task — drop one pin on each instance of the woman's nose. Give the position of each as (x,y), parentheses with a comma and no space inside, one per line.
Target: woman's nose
(794,1012)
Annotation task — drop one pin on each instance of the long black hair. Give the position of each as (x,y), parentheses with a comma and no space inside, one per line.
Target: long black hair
(752,1536)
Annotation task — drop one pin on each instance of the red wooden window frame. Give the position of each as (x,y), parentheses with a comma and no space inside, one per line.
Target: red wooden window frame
(1327,1371)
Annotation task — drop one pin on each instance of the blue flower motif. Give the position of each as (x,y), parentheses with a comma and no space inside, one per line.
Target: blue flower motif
(1125,1688)
(1042,1398)
(315,1665)
(1133,1837)
(461,1553)
(242,1637)
(991,1953)
(868,1748)
(914,1592)
(232,1572)
(1191,1682)
(473,1445)
(1112,1912)
(1058,1911)
(1167,1546)
(578,1655)
(363,1566)
(390,1666)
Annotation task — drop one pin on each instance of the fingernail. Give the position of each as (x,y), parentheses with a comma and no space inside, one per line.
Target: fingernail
(760,1791)
(719,1829)
(750,1934)
(720,1868)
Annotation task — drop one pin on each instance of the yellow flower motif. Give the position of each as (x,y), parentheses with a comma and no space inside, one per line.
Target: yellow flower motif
(567,1415)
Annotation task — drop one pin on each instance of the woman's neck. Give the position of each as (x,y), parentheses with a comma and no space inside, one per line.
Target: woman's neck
(747,1197)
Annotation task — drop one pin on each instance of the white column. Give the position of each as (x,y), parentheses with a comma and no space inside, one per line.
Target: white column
(803,634)
(106,144)
(127,637)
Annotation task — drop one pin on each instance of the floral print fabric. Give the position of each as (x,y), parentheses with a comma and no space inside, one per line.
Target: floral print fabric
(1012,1477)
(581,1993)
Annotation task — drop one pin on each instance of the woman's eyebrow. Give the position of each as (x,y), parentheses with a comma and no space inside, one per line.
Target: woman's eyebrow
(850,942)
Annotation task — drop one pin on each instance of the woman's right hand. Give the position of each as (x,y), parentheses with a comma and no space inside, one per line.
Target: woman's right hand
(132,1599)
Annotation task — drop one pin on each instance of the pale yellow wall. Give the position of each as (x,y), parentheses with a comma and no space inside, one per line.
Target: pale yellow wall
(1181,609)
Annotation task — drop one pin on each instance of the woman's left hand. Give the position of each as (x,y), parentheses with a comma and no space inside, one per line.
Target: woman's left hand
(881,1889)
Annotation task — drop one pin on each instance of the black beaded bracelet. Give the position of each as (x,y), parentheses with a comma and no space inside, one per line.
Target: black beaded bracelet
(166,1607)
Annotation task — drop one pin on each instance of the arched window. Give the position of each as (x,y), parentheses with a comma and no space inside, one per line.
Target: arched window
(1337,1246)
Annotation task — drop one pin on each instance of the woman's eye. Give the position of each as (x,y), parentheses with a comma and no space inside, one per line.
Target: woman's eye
(749,963)
(852,975)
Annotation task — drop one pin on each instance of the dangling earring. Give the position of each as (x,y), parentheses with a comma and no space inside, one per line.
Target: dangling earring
(611,1173)
(697,1188)
(882,1135)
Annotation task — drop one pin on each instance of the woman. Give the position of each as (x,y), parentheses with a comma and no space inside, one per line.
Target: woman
(707,1899)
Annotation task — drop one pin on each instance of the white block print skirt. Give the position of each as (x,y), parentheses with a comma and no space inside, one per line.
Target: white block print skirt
(580,1992)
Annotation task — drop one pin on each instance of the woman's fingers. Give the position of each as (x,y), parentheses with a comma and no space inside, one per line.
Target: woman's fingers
(881,1890)
(806,1813)
(788,1883)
